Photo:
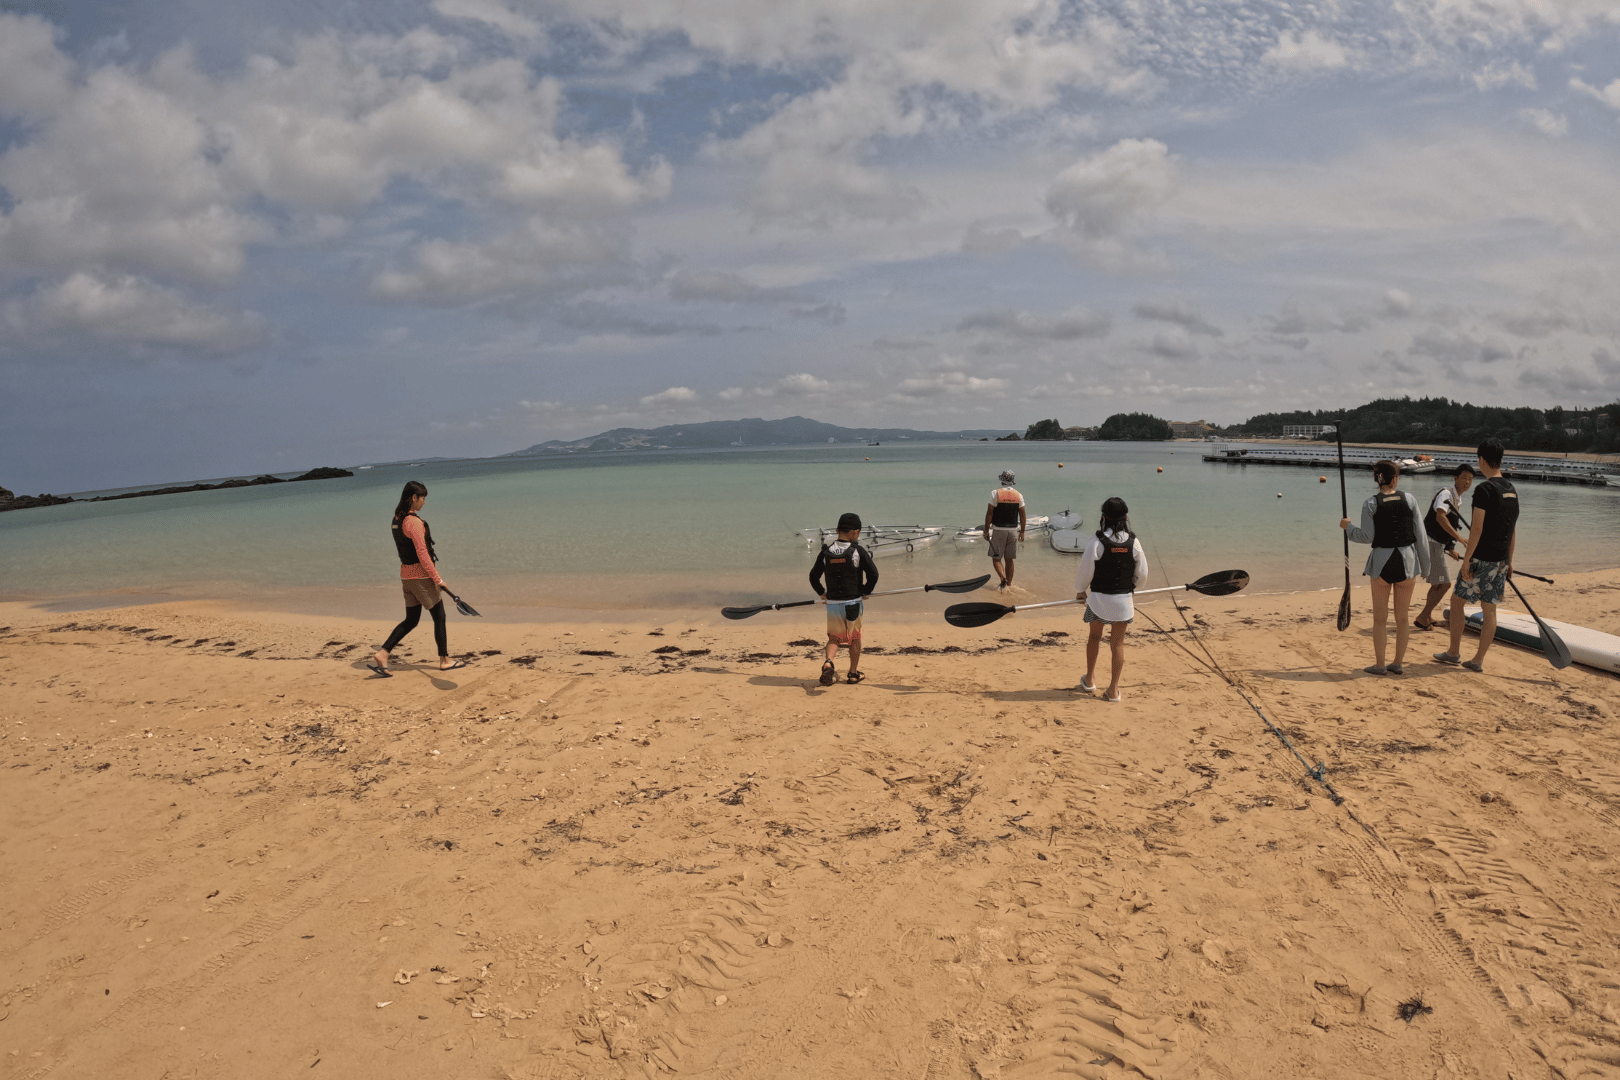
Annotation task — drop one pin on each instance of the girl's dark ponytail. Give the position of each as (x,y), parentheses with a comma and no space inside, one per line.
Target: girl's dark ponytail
(413,488)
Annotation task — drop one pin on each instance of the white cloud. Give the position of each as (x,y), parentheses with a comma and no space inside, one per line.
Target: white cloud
(949,384)
(675,395)
(1306,51)
(1501,73)
(1551,124)
(799,385)
(492,13)
(1100,200)
(167,171)
(1608,95)
(1071,325)
(34,75)
(86,309)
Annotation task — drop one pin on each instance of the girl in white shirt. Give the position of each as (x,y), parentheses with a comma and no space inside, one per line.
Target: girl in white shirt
(1111,567)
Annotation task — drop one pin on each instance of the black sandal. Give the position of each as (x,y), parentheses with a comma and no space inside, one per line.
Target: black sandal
(855,677)
(828,675)
(1422,625)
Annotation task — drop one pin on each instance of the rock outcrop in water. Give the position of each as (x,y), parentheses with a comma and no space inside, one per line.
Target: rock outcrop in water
(8,501)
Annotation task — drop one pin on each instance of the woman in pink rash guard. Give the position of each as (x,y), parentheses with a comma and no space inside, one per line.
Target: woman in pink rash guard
(418,577)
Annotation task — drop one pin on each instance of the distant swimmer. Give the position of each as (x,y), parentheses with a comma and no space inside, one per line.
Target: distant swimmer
(1393,524)
(1004,521)
(1488,562)
(1111,567)
(851,575)
(1441,524)
(418,578)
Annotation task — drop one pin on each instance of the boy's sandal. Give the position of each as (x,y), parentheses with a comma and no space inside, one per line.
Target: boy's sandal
(1086,685)
(855,677)
(828,677)
(1422,625)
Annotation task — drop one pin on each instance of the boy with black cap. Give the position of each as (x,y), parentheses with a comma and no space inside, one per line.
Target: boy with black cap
(851,576)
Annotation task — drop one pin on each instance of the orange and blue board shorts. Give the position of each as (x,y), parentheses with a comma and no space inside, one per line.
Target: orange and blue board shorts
(843,621)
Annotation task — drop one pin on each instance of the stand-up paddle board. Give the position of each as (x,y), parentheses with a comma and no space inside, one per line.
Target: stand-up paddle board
(1070,541)
(1593,648)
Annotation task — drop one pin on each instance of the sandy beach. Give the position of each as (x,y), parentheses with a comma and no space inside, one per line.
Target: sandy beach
(619,849)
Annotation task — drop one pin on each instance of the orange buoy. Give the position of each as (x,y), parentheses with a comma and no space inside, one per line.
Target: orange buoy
(1321,479)
(1161,468)
(1279,494)
(868,459)
(1060,464)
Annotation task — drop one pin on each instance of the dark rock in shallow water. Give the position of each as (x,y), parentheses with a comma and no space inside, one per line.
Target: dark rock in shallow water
(10,501)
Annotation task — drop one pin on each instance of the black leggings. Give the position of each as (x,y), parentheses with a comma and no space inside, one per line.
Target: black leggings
(413,615)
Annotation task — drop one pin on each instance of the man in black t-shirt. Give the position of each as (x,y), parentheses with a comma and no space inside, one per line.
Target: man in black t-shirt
(1488,561)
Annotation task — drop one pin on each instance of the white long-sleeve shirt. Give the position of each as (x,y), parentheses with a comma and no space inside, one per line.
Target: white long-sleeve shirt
(1109,607)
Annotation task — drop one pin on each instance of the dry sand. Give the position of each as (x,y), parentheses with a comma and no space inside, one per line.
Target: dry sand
(229,851)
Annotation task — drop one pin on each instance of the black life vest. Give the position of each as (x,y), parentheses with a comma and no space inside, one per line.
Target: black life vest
(406,549)
(844,577)
(1432,527)
(1005,513)
(1116,569)
(1392,521)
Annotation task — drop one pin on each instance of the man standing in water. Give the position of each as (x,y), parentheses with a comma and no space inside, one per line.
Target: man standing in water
(1488,562)
(1004,521)
(1445,514)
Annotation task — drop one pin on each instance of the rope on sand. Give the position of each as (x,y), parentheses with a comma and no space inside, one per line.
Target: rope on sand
(1317,772)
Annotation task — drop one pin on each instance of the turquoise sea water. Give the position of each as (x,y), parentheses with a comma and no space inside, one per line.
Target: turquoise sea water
(697,529)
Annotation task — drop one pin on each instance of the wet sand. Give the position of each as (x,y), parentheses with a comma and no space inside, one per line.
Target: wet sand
(615,849)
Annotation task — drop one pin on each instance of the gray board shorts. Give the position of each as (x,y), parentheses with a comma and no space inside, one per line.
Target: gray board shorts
(1439,564)
(1004,543)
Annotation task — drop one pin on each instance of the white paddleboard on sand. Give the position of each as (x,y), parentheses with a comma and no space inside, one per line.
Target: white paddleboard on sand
(1593,648)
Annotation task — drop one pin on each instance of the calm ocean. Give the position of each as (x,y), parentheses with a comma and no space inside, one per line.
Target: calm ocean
(693,530)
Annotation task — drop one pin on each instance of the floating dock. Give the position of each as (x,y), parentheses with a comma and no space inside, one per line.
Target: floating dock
(1546,470)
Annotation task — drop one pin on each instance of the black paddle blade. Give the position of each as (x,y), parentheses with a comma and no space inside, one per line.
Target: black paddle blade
(744,612)
(958,586)
(1344,609)
(980,614)
(1221,583)
(462,605)
(1552,645)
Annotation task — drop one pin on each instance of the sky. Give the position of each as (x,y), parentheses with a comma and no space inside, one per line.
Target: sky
(266,236)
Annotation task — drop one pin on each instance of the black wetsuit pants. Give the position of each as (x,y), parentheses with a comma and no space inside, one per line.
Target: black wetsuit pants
(413,615)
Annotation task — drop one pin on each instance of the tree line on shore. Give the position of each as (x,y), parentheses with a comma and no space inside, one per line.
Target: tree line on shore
(1444,422)
(1438,421)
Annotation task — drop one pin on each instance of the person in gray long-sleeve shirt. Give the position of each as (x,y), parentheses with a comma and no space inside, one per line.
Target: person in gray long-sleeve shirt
(1393,524)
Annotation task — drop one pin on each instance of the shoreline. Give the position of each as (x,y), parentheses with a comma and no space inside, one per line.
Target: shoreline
(624,848)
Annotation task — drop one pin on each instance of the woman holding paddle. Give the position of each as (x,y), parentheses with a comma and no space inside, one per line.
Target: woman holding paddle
(1111,567)
(1392,522)
(418,578)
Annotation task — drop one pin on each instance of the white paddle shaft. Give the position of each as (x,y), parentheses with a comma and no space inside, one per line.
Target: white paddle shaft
(1060,603)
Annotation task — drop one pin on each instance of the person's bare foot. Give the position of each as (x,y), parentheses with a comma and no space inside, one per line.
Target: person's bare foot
(381,659)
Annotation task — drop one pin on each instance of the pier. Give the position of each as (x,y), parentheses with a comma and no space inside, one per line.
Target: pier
(1546,470)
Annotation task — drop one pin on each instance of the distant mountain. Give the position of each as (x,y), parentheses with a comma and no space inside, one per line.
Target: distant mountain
(789,431)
